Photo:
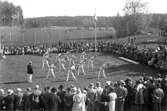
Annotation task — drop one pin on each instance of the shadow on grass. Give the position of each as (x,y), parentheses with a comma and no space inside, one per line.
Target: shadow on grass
(14,82)
(135,69)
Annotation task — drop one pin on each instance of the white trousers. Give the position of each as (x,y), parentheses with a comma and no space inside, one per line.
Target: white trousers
(102,71)
(68,75)
(29,78)
(81,69)
(52,73)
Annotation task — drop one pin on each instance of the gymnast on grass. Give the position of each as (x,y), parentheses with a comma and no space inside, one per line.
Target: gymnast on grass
(103,68)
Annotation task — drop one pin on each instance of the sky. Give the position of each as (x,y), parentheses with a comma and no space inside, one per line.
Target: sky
(39,8)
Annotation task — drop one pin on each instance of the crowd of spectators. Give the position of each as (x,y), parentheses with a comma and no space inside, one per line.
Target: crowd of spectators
(145,94)
(155,58)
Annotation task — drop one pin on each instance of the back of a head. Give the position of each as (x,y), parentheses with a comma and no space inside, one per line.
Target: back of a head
(61,87)
(53,90)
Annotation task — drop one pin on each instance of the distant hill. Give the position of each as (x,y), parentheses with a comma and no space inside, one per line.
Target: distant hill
(83,21)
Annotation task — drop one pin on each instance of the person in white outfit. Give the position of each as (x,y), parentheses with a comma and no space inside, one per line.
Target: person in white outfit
(79,100)
(113,97)
(71,69)
(103,70)
(45,61)
(90,65)
(51,71)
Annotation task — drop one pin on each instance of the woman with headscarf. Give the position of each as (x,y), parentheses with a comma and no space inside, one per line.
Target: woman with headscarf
(79,101)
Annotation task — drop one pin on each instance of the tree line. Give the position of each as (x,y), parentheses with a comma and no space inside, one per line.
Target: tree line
(10,15)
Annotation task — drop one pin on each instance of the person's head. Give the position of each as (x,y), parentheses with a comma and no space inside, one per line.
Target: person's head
(78,91)
(36,87)
(111,89)
(68,90)
(108,83)
(18,90)
(74,90)
(30,62)
(91,85)
(98,84)
(2,91)
(53,90)
(10,91)
(158,85)
(28,90)
(61,87)
(47,89)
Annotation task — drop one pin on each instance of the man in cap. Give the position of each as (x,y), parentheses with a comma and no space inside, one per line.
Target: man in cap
(18,101)
(99,91)
(27,100)
(91,93)
(55,100)
(30,72)
(121,92)
(61,94)
(35,98)
(9,101)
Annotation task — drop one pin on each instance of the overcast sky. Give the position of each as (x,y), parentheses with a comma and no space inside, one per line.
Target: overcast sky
(38,8)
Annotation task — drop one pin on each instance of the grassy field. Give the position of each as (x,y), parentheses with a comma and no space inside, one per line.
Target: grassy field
(13,72)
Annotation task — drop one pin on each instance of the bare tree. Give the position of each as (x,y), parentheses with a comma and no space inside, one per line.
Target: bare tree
(136,10)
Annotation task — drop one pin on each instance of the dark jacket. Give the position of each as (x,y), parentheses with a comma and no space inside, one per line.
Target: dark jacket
(9,102)
(54,102)
(30,69)
(45,101)
(26,102)
(18,102)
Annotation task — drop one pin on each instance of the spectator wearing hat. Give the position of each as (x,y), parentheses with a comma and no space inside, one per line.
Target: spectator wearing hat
(45,99)
(158,94)
(79,100)
(129,100)
(2,95)
(35,98)
(27,100)
(139,96)
(91,93)
(9,101)
(104,100)
(61,94)
(164,88)
(18,100)
(68,100)
(30,72)
(113,97)
(121,92)
(99,91)
(54,100)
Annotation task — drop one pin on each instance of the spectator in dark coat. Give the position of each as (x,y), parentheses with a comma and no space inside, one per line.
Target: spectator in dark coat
(18,100)
(54,100)
(27,100)
(35,97)
(45,99)
(129,100)
(158,94)
(68,100)
(121,92)
(30,72)
(104,100)
(61,94)
(9,101)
